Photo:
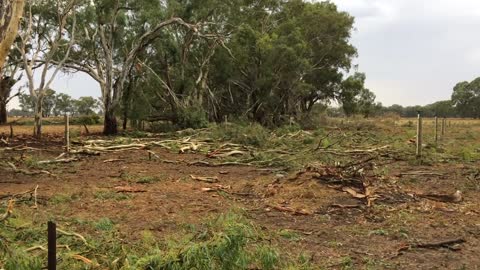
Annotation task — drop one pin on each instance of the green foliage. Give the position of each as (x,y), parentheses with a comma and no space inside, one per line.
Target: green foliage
(17,260)
(104,224)
(92,119)
(148,180)
(110,195)
(223,245)
(192,117)
(246,134)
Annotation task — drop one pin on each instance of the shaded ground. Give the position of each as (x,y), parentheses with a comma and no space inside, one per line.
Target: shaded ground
(309,215)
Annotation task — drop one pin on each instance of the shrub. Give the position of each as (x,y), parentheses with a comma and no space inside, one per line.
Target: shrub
(247,134)
(192,117)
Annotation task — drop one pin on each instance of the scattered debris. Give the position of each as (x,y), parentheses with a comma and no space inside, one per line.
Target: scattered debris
(9,211)
(208,179)
(27,172)
(301,212)
(55,161)
(113,160)
(451,244)
(449,198)
(129,189)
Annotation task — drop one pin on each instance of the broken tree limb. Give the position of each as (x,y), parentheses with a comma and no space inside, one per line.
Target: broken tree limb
(128,189)
(420,173)
(152,154)
(356,151)
(451,244)
(8,212)
(208,179)
(114,148)
(77,235)
(451,198)
(228,154)
(441,244)
(85,152)
(301,212)
(26,172)
(113,160)
(55,161)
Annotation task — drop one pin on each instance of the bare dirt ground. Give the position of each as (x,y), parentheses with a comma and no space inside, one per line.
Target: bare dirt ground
(310,214)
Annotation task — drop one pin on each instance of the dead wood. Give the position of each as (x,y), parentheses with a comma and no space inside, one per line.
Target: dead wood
(208,179)
(8,212)
(55,161)
(420,173)
(193,147)
(356,151)
(86,152)
(117,148)
(301,212)
(43,248)
(345,206)
(128,189)
(152,154)
(222,164)
(170,161)
(217,188)
(451,244)
(27,172)
(77,235)
(113,160)
(228,154)
(449,198)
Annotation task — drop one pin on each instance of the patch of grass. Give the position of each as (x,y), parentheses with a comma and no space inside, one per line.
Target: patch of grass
(380,232)
(347,263)
(247,134)
(290,235)
(61,198)
(148,180)
(111,195)
(104,224)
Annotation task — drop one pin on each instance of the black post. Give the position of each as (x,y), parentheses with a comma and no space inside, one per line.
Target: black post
(52,246)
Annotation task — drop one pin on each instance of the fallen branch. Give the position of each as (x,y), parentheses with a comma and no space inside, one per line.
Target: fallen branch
(451,244)
(42,248)
(228,154)
(120,189)
(8,212)
(451,198)
(152,154)
(86,152)
(208,179)
(192,147)
(79,236)
(55,161)
(420,173)
(345,206)
(301,212)
(116,148)
(27,172)
(113,160)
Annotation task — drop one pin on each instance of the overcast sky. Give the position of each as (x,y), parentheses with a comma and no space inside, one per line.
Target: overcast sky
(412,51)
(415,51)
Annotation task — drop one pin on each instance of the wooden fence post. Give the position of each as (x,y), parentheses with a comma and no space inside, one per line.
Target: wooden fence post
(436,129)
(11,131)
(419,135)
(67,133)
(52,246)
(444,121)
